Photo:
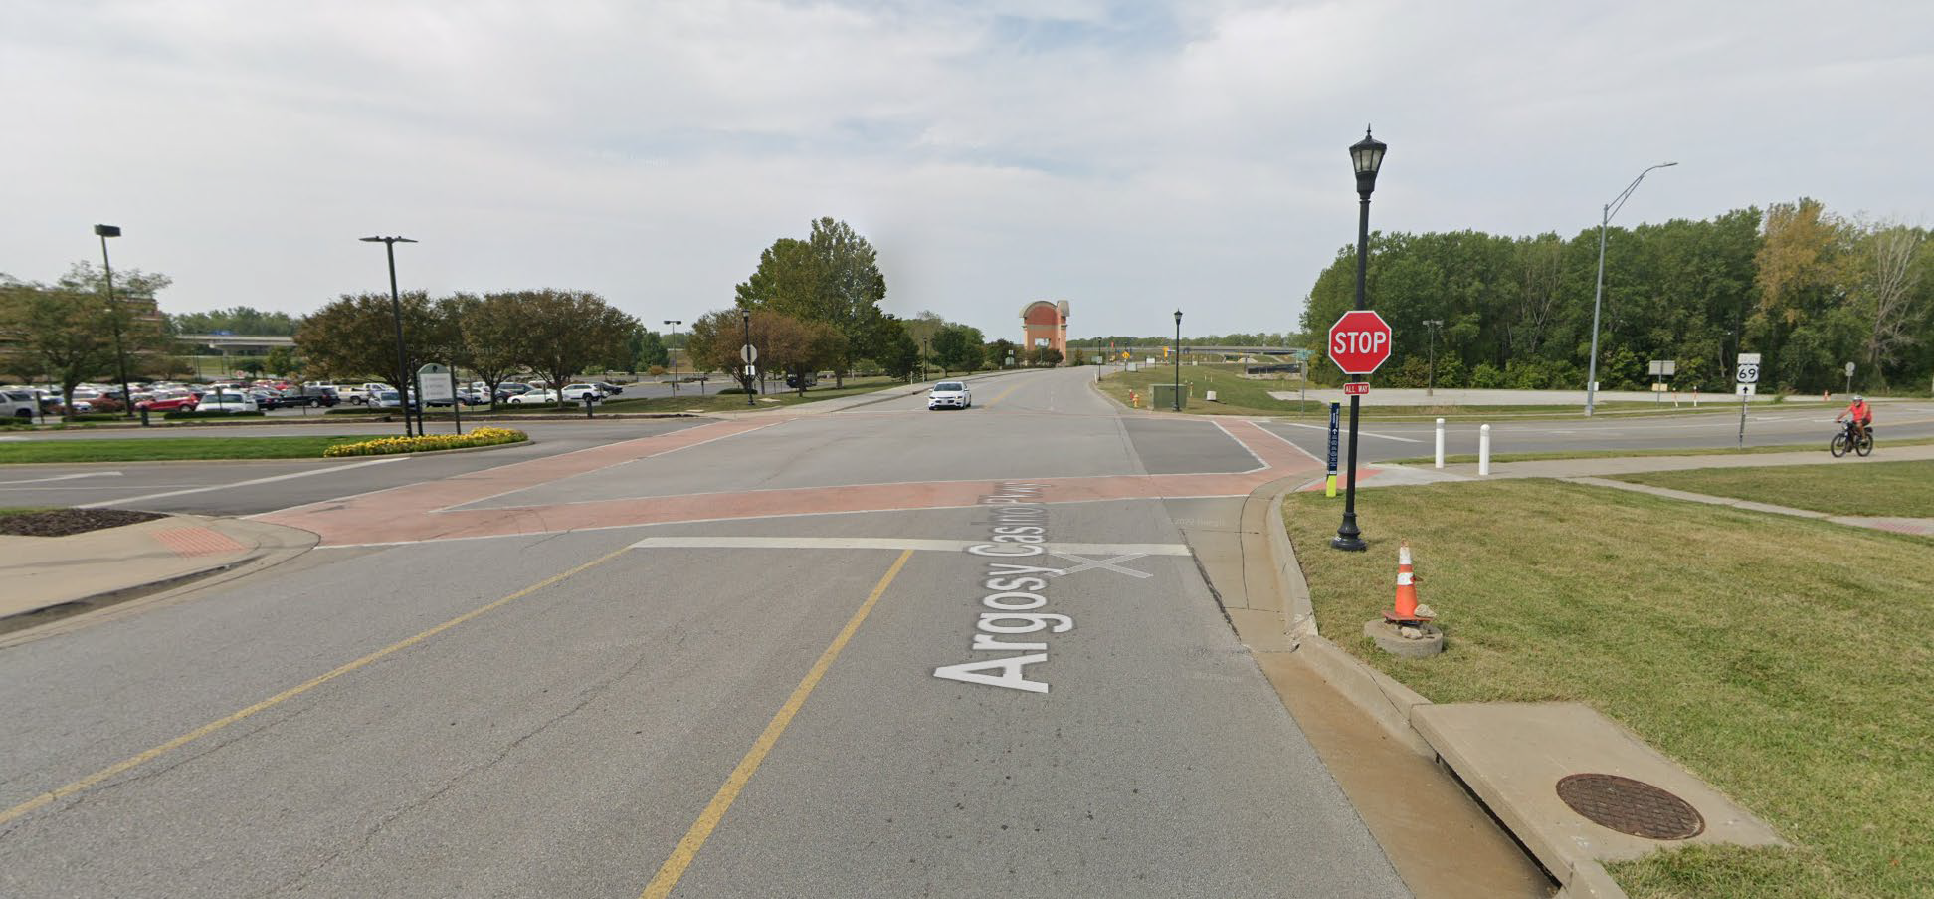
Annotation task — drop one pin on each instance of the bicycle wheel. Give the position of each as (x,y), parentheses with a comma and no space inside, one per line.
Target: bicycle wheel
(1839,445)
(1865,445)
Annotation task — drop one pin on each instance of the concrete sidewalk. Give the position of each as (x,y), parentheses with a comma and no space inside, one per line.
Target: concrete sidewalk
(116,563)
(1615,465)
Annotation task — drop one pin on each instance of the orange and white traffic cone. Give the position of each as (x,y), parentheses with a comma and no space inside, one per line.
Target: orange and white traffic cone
(1406,609)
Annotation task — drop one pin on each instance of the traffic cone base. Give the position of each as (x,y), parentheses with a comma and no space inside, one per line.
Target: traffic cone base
(1406,604)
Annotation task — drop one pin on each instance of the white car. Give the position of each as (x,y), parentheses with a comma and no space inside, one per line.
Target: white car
(578,392)
(226,401)
(534,397)
(949,395)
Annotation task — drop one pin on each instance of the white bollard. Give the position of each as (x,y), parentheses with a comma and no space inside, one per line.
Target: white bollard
(1440,443)
(1484,450)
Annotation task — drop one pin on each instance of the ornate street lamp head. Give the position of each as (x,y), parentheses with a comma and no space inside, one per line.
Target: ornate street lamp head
(1178,317)
(1367,157)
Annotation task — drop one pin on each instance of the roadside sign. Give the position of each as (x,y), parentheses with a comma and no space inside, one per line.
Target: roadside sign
(1748,372)
(1356,388)
(439,383)
(1662,367)
(1359,342)
(1746,389)
(1329,479)
(748,354)
(1849,369)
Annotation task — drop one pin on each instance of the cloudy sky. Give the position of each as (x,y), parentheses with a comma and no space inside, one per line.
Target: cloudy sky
(1130,158)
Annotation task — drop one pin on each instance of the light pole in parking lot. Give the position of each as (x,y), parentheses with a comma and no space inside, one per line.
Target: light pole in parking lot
(745,320)
(396,310)
(1611,209)
(674,355)
(114,318)
(1178,360)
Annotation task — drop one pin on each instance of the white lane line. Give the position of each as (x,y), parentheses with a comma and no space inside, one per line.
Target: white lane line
(281,477)
(900,543)
(1296,424)
(1260,464)
(67,477)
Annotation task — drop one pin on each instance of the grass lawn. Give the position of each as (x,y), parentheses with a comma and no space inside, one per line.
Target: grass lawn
(1236,395)
(1902,489)
(1623,453)
(148,449)
(1783,660)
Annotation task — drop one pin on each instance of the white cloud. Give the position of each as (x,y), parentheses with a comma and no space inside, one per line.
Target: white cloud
(1129,158)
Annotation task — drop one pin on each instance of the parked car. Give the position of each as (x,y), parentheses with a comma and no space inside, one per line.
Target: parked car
(388,399)
(227,401)
(169,400)
(472,396)
(582,391)
(311,395)
(949,395)
(792,380)
(509,389)
(19,404)
(266,397)
(533,397)
(609,388)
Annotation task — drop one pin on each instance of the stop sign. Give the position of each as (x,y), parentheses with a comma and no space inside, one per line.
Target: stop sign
(1359,342)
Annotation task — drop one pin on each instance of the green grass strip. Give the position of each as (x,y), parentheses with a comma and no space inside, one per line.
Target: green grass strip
(1891,489)
(1818,446)
(1784,660)
(151,449)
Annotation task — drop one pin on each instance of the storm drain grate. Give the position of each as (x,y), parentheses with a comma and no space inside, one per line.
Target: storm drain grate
(1629,806)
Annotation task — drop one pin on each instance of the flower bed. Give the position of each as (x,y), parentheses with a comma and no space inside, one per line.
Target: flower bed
(385,446)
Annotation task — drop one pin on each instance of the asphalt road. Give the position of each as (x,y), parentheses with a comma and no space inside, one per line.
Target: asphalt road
(824,702)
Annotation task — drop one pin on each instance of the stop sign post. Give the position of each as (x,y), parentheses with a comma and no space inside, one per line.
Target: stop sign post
(1359,344)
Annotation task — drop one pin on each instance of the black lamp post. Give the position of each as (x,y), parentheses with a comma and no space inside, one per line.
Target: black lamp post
(669,351)
(926,349)
(114,319)
(745,321)
(1366,156)
(1430,385)
(396,310)
(1178,360)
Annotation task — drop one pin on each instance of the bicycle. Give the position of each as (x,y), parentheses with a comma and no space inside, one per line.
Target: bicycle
(1845,440)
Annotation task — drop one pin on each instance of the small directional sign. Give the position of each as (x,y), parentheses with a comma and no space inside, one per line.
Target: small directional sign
(1356,388)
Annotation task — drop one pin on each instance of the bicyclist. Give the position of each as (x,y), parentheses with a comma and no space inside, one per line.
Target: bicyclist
(1859,414)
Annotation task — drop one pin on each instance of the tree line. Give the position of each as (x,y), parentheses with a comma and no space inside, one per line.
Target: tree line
(1807,289)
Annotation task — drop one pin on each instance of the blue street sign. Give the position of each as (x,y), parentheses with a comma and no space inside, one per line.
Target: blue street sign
(1329,478)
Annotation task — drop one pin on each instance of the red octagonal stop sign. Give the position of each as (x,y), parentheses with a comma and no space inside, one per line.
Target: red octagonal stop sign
(1359,342)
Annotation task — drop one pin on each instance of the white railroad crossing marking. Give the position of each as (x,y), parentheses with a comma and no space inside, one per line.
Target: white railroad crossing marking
(1109,565)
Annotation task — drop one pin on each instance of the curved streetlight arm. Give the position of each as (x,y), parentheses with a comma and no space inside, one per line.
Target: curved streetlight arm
(1618,202)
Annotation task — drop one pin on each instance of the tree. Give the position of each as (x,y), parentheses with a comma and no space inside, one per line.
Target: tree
(354,338)
(998,351)
(568,331)
(237,320)
(1044,355)
(898,354)
(795,347)
(645,349)
(282,361)
(1893,259)
(785,344)
(489,336)
(60,332)
(832,276)
(958,348)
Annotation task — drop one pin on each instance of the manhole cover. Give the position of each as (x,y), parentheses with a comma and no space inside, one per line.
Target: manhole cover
(1628,806)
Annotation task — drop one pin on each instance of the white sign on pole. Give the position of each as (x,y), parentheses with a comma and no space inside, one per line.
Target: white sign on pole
(1748,372)
(439,383)
(748,354)
(1746,389)
(1849,369)
(1662,367)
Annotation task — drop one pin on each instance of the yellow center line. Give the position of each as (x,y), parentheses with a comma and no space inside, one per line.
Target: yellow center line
(124,765)
(1004,393)
(708,820)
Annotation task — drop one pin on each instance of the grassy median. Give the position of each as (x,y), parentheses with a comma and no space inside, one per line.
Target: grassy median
(1783,660)
(1892,489)
(1820,447)
(152,449)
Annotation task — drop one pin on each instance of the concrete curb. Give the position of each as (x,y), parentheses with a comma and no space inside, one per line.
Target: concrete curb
(462,449)
(442,452)
(272,545)
(1382,698)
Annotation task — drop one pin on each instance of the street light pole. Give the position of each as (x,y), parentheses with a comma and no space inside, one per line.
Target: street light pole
(1366,156)
(1598,296)
(1430,385)
(396,312)
(745,321)
(1178,360)
(669,351)
(114,319)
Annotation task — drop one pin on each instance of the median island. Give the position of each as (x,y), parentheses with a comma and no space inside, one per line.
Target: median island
(161,449)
